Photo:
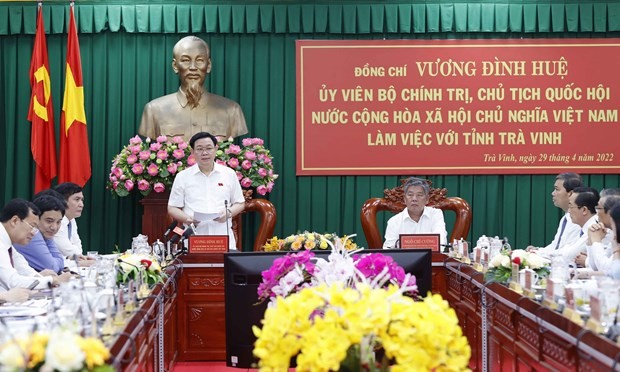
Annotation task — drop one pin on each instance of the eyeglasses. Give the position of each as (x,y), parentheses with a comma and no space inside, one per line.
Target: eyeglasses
(598,208)
(203,150)
(34,228)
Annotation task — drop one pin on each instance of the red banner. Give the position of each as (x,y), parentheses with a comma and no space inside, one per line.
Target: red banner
(457,106)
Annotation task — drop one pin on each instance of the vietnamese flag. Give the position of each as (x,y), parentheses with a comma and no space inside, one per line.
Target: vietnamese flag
(74,150)
(41,112)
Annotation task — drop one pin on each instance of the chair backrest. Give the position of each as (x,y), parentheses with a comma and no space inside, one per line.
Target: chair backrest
(267,213)
(393,201)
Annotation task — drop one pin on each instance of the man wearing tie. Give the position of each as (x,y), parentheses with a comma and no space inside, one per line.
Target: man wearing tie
(567,231)
(582,209)
(18,224)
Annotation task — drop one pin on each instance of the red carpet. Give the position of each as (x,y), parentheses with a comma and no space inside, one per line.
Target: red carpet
(209,366)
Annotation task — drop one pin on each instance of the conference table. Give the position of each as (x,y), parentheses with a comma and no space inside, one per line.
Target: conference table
(184,320)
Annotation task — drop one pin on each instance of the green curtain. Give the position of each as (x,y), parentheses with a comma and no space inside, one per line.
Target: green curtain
(126,53)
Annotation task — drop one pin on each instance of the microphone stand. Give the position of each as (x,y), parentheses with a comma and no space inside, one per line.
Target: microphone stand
(227,230)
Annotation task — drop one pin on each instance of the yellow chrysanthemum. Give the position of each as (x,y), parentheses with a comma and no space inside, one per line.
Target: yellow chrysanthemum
(94,350)
(38,343)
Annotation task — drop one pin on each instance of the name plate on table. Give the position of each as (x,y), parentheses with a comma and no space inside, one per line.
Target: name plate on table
(419,241)
(208,243)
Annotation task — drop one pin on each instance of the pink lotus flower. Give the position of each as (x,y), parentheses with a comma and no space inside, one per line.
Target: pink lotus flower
(129,185)
(246,142)
(233,163)
(143,185)
(137,168)
(153,170)
(267,160)
(115,185)
(258,141)
(246,182)
(162,139)
(155,146)
(134,149)
(162,154)
(262,190)
(191,160)
(233,149)
(159,187)
(270,173)
(113,178)
(135,140)
(172,168)
(246,164)
(178,154)
(269,186)
(131,159)
(183,145)
(117,172)
(262,172)
(145,155)
(239,175)
(177,139)
(122,178)
(250,155)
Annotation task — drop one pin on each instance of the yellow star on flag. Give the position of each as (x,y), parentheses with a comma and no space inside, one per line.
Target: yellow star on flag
(73,104)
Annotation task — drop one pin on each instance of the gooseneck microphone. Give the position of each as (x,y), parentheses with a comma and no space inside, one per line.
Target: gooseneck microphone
(170,228)
(227,230)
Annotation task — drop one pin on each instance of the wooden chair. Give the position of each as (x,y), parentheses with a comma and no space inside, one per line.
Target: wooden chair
(267,212)
(393,201)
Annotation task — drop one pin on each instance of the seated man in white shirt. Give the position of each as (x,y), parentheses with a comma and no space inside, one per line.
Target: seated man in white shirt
(209,188)
(614,269)
(67,238)
(581,206)
(416,218)
(600,235)
(568,231)
(18,224)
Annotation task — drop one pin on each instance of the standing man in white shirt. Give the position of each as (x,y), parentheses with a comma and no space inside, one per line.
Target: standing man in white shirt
(209,188)
(416,218)
(568,231)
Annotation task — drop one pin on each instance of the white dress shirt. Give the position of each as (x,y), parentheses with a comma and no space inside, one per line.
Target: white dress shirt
(11,274)
(68,247)
(600,253)
(431,222)
(570,250)
(570,233)
(194,191)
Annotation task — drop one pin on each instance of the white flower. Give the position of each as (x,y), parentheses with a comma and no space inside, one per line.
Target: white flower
(12,357)
(535,261)
(500,260)
(63,352)
(289,282)
(522,254)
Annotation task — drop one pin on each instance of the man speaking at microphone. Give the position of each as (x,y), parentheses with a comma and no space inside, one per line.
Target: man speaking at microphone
(206,189)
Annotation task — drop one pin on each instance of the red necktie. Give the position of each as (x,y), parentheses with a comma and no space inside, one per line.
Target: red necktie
(11,256)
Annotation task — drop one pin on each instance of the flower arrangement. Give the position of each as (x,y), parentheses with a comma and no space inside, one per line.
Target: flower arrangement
(148,165)
(500,266)
(308,240)
(251,161)
(134,266)
(59,350)
(296,271)
(324,325)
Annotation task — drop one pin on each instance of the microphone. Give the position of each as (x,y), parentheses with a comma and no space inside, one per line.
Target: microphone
(186,234)
(227,231)
(178,232)
(169,229)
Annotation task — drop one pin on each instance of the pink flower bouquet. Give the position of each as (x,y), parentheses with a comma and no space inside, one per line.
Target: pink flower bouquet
(148,165)
(252,162)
